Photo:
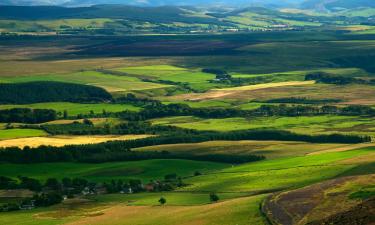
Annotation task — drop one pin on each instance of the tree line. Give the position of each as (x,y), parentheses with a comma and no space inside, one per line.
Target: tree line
(160,110)
(327,78)
(294,100)
(131,127)
(26,115)
(47,91)
(154,109)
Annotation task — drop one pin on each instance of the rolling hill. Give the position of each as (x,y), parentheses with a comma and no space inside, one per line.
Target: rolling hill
(337,4)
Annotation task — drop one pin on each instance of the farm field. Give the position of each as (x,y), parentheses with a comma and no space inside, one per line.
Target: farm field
(75,109)
(59,141)
(195,78)
(21,133)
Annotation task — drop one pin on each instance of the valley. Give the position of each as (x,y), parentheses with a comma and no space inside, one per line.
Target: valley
(118,114)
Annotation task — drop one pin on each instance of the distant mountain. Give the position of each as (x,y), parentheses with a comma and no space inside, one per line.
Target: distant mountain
(331,5)
(238,3)
(161,14)
(310,4)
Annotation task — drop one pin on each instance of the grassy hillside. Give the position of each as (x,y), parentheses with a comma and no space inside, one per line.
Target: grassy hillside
(272,175)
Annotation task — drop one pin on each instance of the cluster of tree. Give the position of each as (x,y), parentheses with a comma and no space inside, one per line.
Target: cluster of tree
(48,193)
(53,191)
(65,186)
(26,115)
(220,74)
(131,127)
(121,150)
(46,91)
(214,197)
(294,100)
(322,77)
(223,77)
(170,182)
(46,199)
(299,110)
(250,80)
(74,128)
(119,186)
(182,86)
(38,200)
(179,110)
(133,100)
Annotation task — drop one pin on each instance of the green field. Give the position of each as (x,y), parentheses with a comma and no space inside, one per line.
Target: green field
(21,133)
(111,83)
(195,78)
(144,170)
(74,109)
(271,175)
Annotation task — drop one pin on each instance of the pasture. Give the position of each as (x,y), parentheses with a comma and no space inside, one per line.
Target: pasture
(275,174)
(21,133)
(194,77)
